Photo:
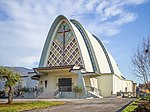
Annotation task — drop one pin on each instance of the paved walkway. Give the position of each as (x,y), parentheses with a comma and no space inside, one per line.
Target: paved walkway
(82,105)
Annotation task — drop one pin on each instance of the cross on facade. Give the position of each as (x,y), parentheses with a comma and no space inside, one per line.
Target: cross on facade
(63,32)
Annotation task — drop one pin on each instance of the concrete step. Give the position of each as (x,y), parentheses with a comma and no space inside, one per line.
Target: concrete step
(28,95)
(67,95)
(93,94)
(46,95)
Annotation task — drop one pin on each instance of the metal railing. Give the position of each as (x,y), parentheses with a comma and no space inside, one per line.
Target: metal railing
(61,89)
(65,88)
(56,91)
(93,89)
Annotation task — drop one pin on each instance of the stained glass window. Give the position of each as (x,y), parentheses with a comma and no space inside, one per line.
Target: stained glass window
(64,49)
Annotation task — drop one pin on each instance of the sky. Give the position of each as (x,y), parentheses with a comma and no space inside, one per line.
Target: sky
(119,24)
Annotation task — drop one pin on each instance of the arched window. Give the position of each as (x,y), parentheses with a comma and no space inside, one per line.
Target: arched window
(45,83)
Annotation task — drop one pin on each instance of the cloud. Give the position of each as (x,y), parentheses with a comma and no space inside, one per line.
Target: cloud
(110,16)
(126,18)
(91,4)
(135,2)
(25,24)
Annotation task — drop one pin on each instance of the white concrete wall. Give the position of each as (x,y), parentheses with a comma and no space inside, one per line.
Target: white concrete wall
(52,80)
(105,84)
(117,84)
(121,84)
(108,84)
(129,85)
(94,82)
(87,81)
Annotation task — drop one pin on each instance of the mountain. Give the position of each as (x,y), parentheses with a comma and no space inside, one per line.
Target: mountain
(24,71)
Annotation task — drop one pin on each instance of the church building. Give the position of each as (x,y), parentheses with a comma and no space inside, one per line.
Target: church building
(72,57)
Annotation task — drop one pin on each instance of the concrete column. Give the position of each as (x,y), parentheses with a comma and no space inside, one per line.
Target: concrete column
(81,83)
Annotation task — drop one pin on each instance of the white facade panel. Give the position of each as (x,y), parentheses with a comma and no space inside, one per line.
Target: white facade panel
(105,84)
(83,48)
(100,55)
(115,66)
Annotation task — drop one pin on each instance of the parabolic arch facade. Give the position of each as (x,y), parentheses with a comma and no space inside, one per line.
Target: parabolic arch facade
(69,44)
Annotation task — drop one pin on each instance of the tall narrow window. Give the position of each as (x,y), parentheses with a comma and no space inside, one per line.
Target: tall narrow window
(125,89)
(45,83)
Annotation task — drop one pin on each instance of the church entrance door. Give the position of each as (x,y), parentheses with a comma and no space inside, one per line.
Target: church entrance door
(65,84)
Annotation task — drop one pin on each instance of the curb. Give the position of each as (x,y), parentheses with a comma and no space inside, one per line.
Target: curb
(122,108)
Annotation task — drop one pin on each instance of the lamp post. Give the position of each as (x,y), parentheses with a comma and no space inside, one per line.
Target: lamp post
(148,62)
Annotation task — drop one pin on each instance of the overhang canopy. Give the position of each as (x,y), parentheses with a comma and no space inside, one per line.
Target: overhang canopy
(41,71)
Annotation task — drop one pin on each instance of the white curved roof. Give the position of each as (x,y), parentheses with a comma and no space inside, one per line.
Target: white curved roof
(100,54)
(83,48)
(95,57)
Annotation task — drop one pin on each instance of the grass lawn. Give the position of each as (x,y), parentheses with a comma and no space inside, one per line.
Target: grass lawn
(138,106)
(21,106)
(131,107)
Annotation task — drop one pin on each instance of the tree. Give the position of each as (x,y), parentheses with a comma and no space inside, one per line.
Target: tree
(12,77)
(141,62)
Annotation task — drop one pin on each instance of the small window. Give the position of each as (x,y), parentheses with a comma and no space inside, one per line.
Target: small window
(46,84)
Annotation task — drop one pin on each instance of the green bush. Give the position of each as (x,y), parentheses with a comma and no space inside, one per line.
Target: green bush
(147,97)
(77,89)
(25,89)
